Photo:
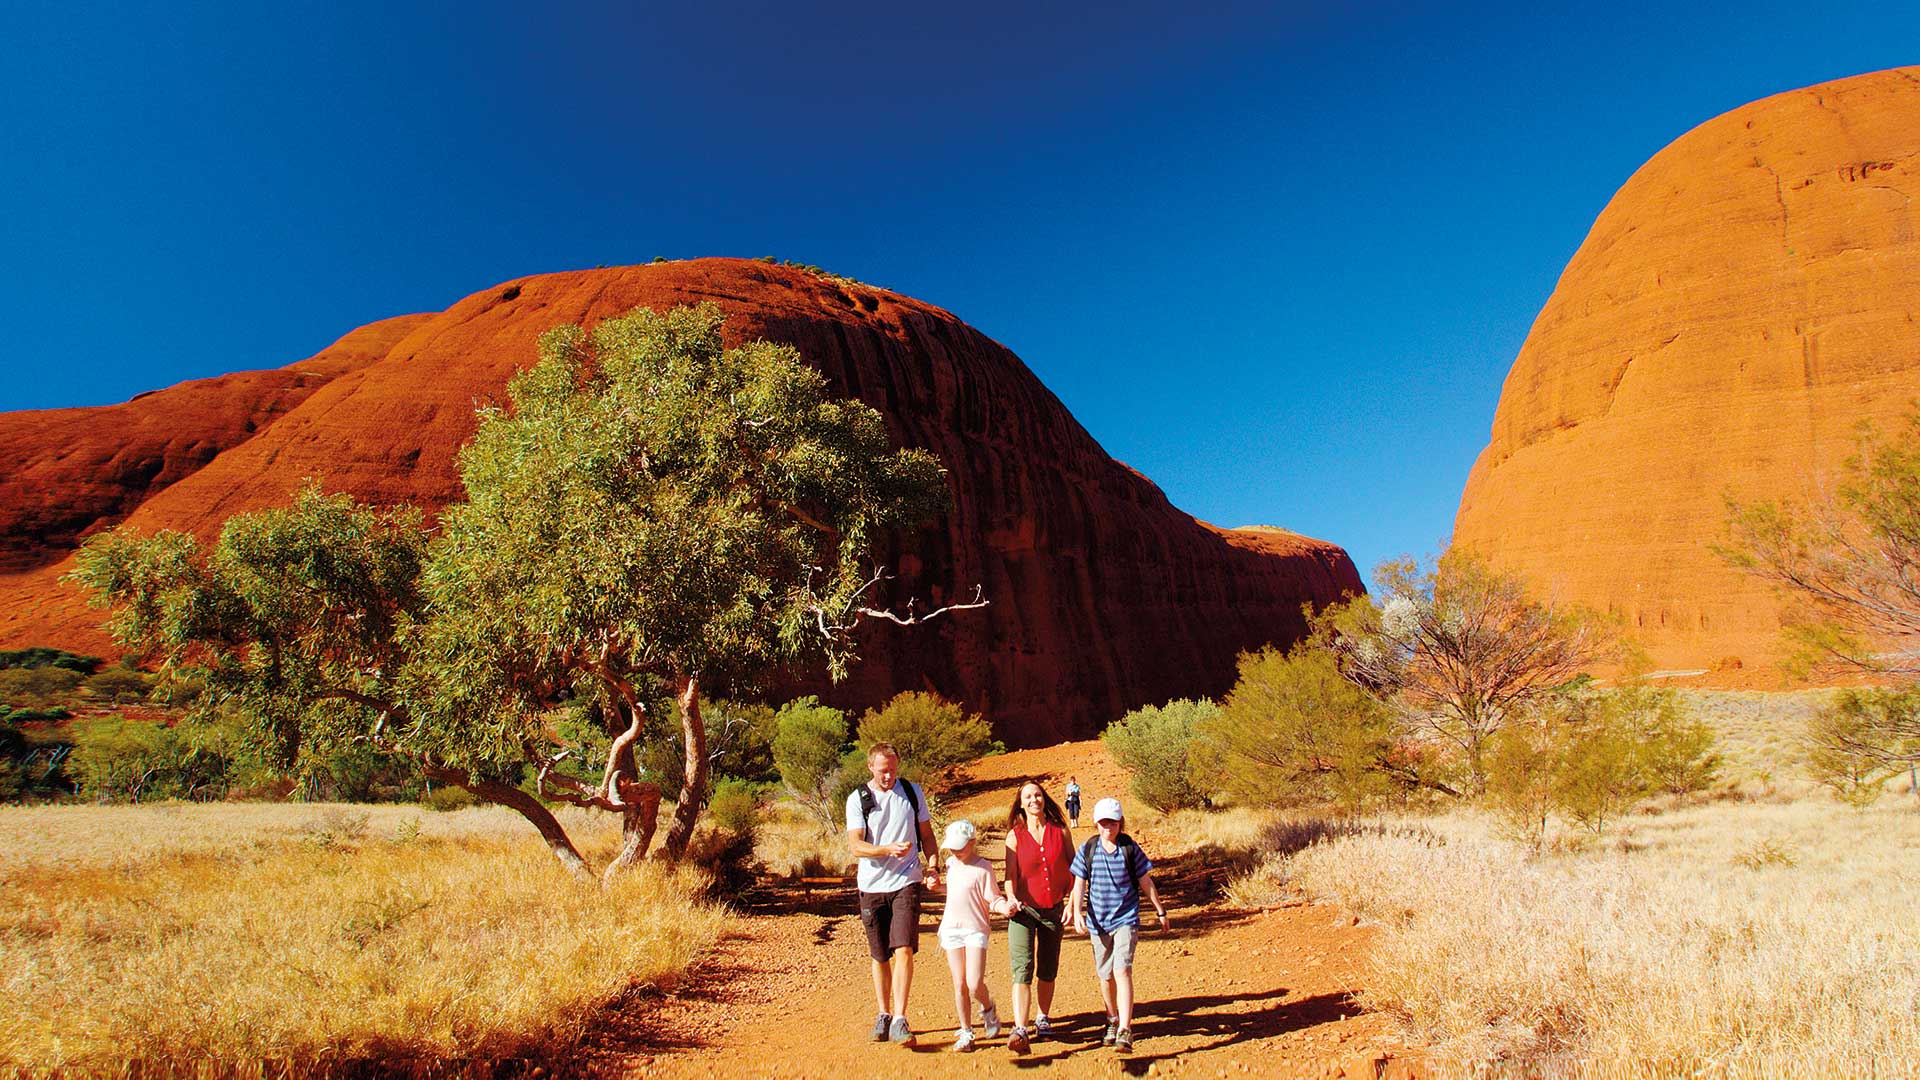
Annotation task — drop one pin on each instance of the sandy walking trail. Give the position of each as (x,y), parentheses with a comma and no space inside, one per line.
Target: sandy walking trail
(1226,992)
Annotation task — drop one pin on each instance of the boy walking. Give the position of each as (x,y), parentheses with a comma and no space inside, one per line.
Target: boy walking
(1110,873)
(888,826)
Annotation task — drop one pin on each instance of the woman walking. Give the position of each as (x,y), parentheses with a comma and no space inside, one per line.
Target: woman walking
(1039,855)
(1073,800)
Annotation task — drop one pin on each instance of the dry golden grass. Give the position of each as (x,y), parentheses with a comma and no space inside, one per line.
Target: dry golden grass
(790,842)
(1730,940)
(212,938)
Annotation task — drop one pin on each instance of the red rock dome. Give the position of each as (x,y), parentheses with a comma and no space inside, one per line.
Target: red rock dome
(1740,306)
(1105,597)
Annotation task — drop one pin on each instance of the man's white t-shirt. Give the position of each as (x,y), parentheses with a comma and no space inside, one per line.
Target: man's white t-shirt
(893,822)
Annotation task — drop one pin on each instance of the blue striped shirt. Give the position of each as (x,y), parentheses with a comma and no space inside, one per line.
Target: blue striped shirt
(1113,888)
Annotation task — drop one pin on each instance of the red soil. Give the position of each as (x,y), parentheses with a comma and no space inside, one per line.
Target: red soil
(1226,992)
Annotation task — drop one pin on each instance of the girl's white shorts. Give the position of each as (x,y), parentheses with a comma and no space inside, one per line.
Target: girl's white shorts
(962,939)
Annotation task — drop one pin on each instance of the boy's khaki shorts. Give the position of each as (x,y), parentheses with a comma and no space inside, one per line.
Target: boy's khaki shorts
(1114,950)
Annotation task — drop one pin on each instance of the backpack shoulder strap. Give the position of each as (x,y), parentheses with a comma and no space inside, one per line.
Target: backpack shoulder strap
(913,811)
(866,813)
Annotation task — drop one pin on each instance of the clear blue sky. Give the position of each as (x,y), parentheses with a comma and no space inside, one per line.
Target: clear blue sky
(1278,258)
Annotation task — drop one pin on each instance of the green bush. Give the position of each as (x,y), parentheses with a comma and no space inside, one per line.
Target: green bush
(38,687)
(449,797)
(115,759)
(929,732)
(735,806)
(1294,731)
(1154,743)
(42,656)
(1861,739)
(808,744)
(120,685)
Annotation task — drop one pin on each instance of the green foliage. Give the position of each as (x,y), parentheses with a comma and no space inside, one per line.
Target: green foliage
(446,798)
(1294,731)
(116,759)
(1860,739)
(809,742)
(930,732)
(38,687)
(652,514)
(42,656)
(120,685)
(1153,742)
(734,806)
(1522,782)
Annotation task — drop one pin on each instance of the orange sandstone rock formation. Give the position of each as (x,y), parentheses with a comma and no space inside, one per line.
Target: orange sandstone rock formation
(1742,304)
(1104,596)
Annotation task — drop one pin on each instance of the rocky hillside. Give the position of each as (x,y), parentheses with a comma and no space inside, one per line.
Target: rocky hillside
(1742,304)
(1104,595)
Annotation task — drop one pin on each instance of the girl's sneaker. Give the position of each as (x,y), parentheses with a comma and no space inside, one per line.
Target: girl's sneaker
(1113,1031)
(964,1042)
(989,1022)
(1123,1042)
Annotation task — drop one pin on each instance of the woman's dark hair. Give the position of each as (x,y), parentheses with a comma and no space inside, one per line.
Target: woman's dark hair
(1049,812)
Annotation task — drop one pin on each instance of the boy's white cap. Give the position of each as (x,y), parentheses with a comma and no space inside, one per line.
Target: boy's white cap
(958,833)
(1108,810)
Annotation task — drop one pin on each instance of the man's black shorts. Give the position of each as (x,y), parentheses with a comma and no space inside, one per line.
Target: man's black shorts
(892,920)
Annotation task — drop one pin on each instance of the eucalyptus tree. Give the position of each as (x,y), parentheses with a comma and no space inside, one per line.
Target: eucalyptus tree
(653,515)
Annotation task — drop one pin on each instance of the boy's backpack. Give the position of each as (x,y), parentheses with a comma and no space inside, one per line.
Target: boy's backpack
(867,805)
(1128,851)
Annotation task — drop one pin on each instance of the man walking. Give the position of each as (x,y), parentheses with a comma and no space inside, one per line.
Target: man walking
(888,827)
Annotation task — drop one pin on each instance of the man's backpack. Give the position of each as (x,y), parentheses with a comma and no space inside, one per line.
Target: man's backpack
(867,805)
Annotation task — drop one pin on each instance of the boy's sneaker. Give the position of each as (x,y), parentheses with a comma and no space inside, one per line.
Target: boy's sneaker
(1113,1031)
(989,1022)
(899,1032)
(1123,1042)
(1017,1042)
(1041,1028)
(964,1041)
(880,1025)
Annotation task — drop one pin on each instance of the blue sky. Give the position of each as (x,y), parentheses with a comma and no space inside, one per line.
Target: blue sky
(1277,257)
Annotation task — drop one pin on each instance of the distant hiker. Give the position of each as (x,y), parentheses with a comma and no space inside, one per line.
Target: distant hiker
(888,826)
(1073,800)
(972,898)
(1110,872)
(1039,852)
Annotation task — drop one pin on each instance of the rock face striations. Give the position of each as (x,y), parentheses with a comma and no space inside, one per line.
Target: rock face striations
(1743,303)
(1104,596)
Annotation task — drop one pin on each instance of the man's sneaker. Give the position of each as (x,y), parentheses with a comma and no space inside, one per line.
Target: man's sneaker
(1123,1042)
(1017,1042)
(1041,1028)
(989,1023)
(900,1032)
(964,1041)
(1113,1031)
(880,1025)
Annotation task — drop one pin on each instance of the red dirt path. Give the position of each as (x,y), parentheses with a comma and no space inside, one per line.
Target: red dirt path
(1227,992)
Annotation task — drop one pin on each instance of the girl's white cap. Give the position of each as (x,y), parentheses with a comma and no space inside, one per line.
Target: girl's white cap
(958,833)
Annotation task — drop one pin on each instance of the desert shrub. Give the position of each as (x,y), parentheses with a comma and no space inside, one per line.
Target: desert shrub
(38,687)
(930,732)
(115,759)
(1292,731)
(739,743)
(1153,743)
(42,656)
(1522,782)
(120,685)
(808,744)
(449,797)
(1860,739)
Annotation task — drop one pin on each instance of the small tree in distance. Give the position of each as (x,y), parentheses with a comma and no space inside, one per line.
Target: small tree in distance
(1462,650)
(930,732)
(808,743)
(655,516)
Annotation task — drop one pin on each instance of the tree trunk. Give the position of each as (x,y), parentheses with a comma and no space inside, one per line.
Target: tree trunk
(693,786)
(639,816)
(527,806)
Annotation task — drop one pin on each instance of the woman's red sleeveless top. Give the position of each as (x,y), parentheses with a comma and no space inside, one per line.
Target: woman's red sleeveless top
(1045,867)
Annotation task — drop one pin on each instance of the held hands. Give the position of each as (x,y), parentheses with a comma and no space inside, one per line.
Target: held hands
(1000,905)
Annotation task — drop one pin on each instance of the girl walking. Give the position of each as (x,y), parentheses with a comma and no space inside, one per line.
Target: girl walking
(972,899)
(1039,855)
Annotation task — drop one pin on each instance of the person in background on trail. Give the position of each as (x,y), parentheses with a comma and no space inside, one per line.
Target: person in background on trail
(1039,850)
(972,900)
(888,826)
(1073,800)
(1110,873)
